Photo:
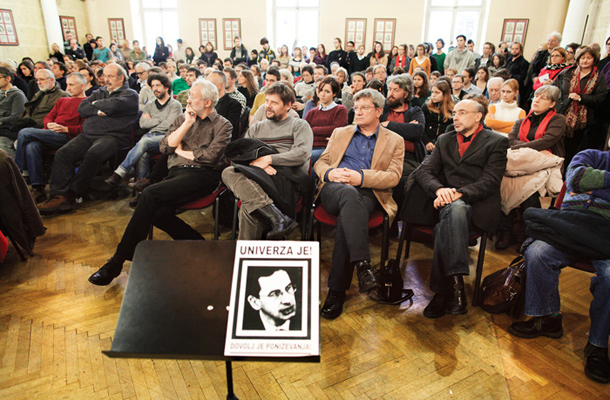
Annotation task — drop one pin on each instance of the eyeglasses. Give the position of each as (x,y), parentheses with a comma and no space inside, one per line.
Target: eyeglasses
(276,294)
(363,108)
(140,73)
(461,113)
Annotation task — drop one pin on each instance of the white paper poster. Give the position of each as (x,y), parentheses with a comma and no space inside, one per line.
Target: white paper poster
(274,308)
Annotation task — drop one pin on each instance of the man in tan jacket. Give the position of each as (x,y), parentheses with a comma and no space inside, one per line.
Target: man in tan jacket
(358,170)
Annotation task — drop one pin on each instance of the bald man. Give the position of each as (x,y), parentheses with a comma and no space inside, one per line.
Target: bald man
(109,113)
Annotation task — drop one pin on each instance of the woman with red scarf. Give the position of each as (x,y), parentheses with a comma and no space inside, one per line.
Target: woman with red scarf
(583,91)
(542,130)
(401,60)
(378,56)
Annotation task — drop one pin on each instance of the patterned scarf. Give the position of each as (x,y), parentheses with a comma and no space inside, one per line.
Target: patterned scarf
(577,112)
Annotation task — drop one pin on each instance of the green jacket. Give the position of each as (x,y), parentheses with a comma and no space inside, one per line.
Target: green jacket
(37,108)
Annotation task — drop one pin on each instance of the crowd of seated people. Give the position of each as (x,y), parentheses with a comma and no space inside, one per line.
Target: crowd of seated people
(432,143)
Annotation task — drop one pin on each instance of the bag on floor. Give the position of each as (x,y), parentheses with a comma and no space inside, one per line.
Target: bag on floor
(504,290)
(391,290)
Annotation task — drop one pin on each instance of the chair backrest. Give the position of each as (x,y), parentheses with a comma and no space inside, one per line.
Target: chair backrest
(560,196)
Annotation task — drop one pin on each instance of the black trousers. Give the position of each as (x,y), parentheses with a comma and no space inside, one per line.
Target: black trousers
(158,204)
(353,207)
(92,152)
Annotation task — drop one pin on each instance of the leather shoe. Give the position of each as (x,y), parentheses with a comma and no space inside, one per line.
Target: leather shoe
(114,180)
(366,277)
(597,366)
(455,295)
(436,307)
(505,240)
(333,306)
(281,224)
(106,273)
(548,326)
(134,201)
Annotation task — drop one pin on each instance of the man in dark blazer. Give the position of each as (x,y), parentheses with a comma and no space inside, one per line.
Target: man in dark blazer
(462,178)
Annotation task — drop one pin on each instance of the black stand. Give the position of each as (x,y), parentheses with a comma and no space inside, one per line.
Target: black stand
(175,304)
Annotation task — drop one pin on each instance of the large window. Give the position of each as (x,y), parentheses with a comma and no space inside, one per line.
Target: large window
(160,19)
(296,23)
(449,18)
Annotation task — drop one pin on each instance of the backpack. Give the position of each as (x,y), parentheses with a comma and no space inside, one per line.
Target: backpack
(391,290)
(504,290)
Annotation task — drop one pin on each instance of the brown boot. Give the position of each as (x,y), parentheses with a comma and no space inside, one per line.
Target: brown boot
(56,205)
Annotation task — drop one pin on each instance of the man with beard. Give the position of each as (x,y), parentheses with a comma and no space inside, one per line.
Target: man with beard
(291,140)
(407,120)
(157,116)
(271,294)
(462,179)
(196,144)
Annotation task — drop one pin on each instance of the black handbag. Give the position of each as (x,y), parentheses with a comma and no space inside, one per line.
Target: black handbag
(504,290)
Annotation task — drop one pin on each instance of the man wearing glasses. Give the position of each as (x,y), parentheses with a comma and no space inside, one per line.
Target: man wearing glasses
(462,179)
(142,69)
(358,170)
(271,294)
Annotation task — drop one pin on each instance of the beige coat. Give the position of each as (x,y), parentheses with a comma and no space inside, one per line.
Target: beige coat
(386,166)
(529,171)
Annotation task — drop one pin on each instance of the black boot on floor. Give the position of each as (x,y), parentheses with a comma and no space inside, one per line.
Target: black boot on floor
(281,224)
(455,295)
(549,326)
(107,272)
(597,366)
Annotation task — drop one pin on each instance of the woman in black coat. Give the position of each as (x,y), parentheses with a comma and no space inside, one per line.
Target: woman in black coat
(161,51)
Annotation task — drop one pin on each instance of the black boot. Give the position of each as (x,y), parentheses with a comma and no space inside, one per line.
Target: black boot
(281,224)
(455,295)
(333,306)
(366,277)
(597,367)
(107,272)
(436,307)
(549,326)
(114,180)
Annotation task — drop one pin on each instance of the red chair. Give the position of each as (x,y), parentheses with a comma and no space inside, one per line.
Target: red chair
(583,265)
(200,204)
(320,216)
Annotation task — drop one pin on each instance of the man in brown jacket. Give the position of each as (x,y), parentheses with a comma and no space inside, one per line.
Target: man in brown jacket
(358,170)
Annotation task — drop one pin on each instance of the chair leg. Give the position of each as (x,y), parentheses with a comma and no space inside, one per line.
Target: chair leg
(385,242)
(408,244)
(311,223)
(304,224)
(319,225)
(216,216)
(16,246)
(234,223)
(477,280)
(150,232)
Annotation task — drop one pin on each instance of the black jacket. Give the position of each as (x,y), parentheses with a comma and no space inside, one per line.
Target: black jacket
(411,132)
(518,69)
(592,101)
(231,110)
(339,56)
(477,175)
(241,57)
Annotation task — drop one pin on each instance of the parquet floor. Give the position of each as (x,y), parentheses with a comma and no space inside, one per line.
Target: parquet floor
(54,324)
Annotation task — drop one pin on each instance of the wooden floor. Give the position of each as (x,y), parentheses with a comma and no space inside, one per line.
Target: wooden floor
(54,325)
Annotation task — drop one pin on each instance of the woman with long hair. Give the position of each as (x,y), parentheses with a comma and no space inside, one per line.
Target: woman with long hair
(583,91)
(208,55)
(248,86)
(320,57)
(378,56)
(189,55)
(161,51)
(401,60)
(284,57)
(91,79)
(502,116)
(497,63)
(297,59)
(420,88)
(420,60)
(482,76)
(358,82)
(437,112)
(26,70)
(56,53)
(258,74)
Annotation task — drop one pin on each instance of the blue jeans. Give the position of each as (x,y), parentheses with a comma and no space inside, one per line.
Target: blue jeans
(32,143)
(543,264)
(315,155)
(450,244)
(148,144)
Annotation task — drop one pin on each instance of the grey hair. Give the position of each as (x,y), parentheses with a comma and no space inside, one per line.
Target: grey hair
(145,66)
(549,91)
(556,34)
(495,79)
(404,81)
(345,74)
(47,73)
(208,90)
(79,78)
(221,75)
(376,97)
(379,66)
(287,75)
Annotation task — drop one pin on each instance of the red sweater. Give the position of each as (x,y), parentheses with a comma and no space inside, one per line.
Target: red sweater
(65,112)
(323,123)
